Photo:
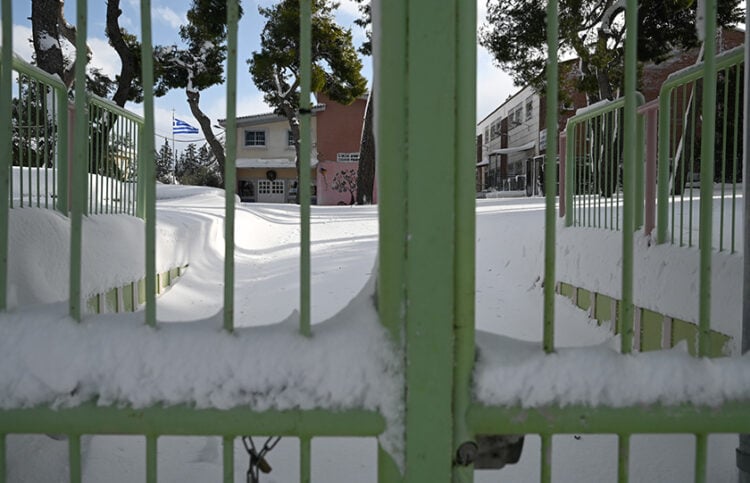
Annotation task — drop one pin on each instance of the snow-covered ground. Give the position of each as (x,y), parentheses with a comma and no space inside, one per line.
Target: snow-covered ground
(344,243)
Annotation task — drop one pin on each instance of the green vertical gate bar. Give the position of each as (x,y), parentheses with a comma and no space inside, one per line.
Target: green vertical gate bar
(623,457)
(546,459)
(80,164)
(303,186)
(6,153)
(550,176)
(465,227)
(151,458)
(701,455)
(147,169)
(630,151)
(390,79)
(74,457)
(430,247)
(662,164)
(3,448)
(230,170)
(304,459)
(228,459)
(708,136)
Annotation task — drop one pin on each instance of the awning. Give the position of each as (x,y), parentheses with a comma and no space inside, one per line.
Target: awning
(515,149)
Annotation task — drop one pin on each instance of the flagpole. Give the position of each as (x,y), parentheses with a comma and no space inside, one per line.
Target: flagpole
(174,153)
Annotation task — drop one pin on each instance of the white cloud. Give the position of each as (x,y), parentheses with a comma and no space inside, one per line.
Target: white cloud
(22,42)
(493,85)
(169,16)
(349,7)
(104,57)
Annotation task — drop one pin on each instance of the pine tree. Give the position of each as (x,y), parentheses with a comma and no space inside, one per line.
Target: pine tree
(164,161)
(199,65)
(336,69)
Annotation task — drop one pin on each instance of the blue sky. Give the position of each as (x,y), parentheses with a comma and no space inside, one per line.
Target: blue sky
(493,86)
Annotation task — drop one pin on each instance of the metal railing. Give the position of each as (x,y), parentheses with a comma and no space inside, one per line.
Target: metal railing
(39,139)
(425,71)
(114,158)
(42,120)
(693,173)
(594,151)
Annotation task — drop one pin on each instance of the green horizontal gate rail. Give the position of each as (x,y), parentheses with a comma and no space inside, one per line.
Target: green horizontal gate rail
(681,155)
(425,72)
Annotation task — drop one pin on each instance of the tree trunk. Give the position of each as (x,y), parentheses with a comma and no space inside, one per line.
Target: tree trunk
(366,172)
(291,116)
(127,58)
(46,35)
(217,149)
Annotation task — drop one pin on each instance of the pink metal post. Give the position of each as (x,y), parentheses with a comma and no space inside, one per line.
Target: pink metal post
(561,173)
(650,110)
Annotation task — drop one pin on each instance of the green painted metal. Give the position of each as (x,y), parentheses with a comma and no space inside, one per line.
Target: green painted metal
(629,179)
(431,130)
(148,170)
(623,457)
(550,180)
(6,152)
(74,457)
(731,418)
(230,166)
(391,143)
(152,459)
(79,169)
(701,455)
(2,457)
(392,175)
(182,420)
(303,187)
(669,111)
(465,229)
(304,459)
(227,461)
(388,470)
(546,458)
(708,136)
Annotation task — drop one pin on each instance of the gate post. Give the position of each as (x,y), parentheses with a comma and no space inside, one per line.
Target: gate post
(425,125)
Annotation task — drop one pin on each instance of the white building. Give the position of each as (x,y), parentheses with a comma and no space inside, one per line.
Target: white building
(511,141)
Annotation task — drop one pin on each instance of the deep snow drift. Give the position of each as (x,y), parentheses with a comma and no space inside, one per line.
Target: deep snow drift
(350,363)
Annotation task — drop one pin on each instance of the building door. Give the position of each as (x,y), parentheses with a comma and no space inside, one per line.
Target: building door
(270,191)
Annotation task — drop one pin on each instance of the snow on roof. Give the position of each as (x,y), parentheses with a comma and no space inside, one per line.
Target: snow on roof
(270,163)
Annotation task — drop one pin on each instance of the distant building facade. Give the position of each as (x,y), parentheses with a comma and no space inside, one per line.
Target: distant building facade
(511,140)
(266,171)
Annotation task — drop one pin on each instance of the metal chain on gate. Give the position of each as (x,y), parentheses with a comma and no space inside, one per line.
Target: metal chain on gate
(258,463)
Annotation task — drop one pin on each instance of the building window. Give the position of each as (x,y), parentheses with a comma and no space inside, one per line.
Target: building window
(495,130)
(347,157)
(529,108)
(290,139)
(268,187)
(255,138)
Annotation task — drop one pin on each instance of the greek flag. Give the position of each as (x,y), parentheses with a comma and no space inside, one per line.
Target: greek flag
(181,127)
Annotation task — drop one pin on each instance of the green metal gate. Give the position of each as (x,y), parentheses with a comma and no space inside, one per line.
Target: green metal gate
(425,74)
